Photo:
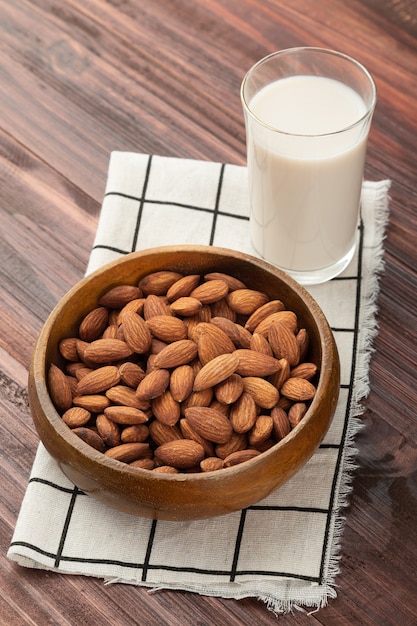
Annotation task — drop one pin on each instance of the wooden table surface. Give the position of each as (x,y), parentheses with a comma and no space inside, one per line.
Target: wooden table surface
(80,78)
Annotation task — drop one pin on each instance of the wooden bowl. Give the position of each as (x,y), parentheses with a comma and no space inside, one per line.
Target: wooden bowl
(194,495)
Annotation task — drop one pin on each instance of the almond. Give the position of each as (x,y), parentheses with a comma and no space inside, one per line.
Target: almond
(125,415)
(68,349)
(279,377)
(117,297)
(137,433)
(303,342)
(215,371)
(153,385)
(283,343)
(211,341)
(240,457)
(209,423)
(246,301)
(222,310)
(186,306)
(198,398)
(211,464)
(108,430)
(181,382)
(210,291)
(59,388)
(76,416)
(98,380)
(89,436)
(166,469)
(273,306)
(261,431)
(298,389)
(260,344)
(281,425)
(189,433)
(136,332)
(296,413)
(177,353)
(134,306)
(263,392)
(145,463)
(158,283)
(166,409)
(96,403)
(155,305)
(182,453)
(93,324)
(253,363)
(288,318)
(131,374)
(229,327)
(243,413)
(229,390)
(238,441)
(167,328)
(161,433)
(103,351)
(304,370)
(231,281)
(183,287)
(128,452)
(126,396)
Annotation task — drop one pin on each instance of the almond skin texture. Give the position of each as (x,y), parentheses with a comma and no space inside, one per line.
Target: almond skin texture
(136,332)
(59,388)
(211,464)
(94,324)
(176,353)
(98,380)
(288,318)
(109,431)
(298,389)
(283,343)
(89,436)
(125,415)
(181,453)
(181,382)
(125,396)
(230,389)
(167,328)
(212,342)
(166,409)
(215,371)
(243,413)
(76,416)
(158,283)
(161,433)
(186,306)
(96,403)
(183,287)
(264,393)
(118,296)
(153,385)
(246,301)
(253,363)
(210,291)
(273,306)
(131,374)
(231,281)
(209,423)
(128,452)
(155,305)
(240,457)
(107,351)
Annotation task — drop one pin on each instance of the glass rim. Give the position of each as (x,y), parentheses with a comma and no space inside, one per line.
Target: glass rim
(329,51)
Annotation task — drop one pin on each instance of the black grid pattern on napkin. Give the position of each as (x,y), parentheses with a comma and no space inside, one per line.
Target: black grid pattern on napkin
(236,569)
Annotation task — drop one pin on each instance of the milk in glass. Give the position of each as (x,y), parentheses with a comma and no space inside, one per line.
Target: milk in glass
(305,178)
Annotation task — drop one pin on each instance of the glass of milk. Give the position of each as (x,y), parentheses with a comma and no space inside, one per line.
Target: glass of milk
(308,113)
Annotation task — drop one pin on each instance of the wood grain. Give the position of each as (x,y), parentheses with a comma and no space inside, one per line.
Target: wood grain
(82,78)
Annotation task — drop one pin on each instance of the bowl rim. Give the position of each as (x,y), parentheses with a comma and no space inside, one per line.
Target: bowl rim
(39,364)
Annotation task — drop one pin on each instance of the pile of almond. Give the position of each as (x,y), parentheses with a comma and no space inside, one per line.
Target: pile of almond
(184,373)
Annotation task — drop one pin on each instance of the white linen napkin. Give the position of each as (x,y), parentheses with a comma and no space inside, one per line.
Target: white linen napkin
(286,549)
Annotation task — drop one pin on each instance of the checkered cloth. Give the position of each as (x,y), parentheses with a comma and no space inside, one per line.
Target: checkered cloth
(286,549)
